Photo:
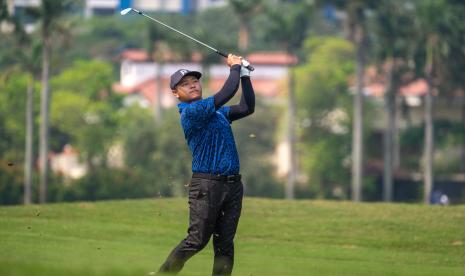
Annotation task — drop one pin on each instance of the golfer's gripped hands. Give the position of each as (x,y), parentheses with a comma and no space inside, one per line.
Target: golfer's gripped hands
(232,60)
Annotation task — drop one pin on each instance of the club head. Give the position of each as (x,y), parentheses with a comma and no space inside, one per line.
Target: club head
(125,11)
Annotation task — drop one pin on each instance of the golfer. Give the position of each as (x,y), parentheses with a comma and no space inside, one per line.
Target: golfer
(215,191)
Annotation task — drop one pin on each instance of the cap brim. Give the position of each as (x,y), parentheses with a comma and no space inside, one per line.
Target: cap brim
(196,74)
(193,73)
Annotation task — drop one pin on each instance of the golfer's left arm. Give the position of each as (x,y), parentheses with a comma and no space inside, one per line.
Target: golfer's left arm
(231,85)
(247,104)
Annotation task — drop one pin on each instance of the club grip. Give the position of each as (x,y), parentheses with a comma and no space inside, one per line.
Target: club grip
(222,54)
(247,65)
(250,67)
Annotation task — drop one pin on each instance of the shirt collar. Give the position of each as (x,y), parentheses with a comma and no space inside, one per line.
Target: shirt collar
(183,105)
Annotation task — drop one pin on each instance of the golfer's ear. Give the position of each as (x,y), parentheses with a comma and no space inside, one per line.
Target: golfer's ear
(175,93)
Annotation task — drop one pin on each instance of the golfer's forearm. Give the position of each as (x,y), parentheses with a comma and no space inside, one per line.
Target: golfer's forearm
(229,88)
(247,104)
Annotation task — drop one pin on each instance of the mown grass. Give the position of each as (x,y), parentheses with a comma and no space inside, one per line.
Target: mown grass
(275,237)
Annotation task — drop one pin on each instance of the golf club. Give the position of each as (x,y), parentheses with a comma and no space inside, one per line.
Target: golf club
(245,63)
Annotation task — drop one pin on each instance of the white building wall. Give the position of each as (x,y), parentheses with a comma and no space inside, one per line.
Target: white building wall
(134,73)
(204,4)
(26,3)
(110,5)
(158,5)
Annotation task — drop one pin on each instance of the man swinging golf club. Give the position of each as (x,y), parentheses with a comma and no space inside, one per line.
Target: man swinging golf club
(215,191)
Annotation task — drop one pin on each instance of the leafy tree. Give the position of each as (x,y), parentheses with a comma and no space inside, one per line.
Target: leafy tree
(91,79)
(138,135)
(109,183)
(81,107)
(255,139)
(324,115)
(158,153)
(172,159)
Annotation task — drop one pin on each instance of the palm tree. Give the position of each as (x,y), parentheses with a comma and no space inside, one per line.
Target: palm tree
(29,142)
(430,15)
(27,57)
(30,61)
(288,23)
(392,50)
(453,78)
(440,57)
(50,13)
(244,9)
(356,32)
(355,27)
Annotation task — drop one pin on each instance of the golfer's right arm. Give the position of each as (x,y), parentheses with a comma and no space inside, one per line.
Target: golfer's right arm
(231,85)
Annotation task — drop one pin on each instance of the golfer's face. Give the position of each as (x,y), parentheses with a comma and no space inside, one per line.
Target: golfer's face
(188,89)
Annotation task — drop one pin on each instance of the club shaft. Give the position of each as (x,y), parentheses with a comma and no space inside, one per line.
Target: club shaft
(176,30)
(186,35)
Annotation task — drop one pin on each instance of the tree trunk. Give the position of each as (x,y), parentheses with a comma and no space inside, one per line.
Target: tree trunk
(357,135)
(462,164)
(390,115)
(429,144)
(157,106)
(243,36)
(29,142)
(291,138)
(429,127)
(44,123)
(396,142)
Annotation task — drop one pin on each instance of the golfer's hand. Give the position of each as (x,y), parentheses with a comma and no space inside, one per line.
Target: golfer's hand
(232,60)
(244,71)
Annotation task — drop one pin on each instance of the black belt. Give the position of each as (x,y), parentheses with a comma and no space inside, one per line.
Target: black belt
(226,178)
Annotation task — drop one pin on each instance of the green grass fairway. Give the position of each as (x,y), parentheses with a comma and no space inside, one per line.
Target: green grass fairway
(275,237)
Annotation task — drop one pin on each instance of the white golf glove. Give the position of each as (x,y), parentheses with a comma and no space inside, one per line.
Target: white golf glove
(244,71)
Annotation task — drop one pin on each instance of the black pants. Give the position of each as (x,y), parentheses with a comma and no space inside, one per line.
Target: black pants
(214,209)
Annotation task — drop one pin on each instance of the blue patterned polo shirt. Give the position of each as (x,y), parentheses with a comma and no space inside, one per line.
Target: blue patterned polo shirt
(209,136)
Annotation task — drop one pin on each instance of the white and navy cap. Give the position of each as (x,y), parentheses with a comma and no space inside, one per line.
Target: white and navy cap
(178,75)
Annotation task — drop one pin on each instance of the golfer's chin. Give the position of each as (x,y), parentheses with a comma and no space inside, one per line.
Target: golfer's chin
(195,96)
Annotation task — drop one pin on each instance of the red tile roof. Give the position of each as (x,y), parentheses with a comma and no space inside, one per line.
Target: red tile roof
(262,87)
(135,55)
(268,58)
(375,83)
(275,58)
(418,87)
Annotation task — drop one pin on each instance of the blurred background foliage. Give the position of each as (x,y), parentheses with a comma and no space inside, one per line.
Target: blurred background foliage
(88,115)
